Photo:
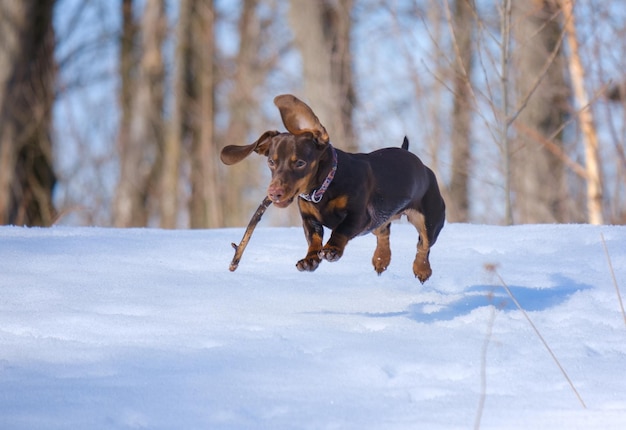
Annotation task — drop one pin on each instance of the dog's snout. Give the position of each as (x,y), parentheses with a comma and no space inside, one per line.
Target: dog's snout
(276,193)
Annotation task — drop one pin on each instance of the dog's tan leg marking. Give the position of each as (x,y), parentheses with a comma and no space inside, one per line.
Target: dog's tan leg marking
(312,259)
(382,254)
(421,265)
(333,250)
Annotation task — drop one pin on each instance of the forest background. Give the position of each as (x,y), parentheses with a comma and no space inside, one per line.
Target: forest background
(113,113)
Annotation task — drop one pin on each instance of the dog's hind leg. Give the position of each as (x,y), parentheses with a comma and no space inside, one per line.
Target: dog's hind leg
(382,254)
(421,265)
(428,221)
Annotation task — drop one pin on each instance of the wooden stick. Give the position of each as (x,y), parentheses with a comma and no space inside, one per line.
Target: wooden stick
(248,233)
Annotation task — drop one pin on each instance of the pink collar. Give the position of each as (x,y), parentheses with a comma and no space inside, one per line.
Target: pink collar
(316,195)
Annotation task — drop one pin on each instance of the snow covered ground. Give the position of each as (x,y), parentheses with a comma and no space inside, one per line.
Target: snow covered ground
(116,329)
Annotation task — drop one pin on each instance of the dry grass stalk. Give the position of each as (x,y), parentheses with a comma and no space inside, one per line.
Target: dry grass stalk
(492,268)
(608,259)
(483,367)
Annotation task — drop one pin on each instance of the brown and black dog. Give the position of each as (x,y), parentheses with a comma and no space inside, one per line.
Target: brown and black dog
(351,194)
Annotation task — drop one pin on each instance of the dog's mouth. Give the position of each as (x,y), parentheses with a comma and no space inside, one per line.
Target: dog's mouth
(282,203)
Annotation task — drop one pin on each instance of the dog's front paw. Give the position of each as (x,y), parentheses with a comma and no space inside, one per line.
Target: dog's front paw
(331,253)
(308,263)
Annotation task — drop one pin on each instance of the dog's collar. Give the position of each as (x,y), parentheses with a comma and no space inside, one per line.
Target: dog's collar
(316,195)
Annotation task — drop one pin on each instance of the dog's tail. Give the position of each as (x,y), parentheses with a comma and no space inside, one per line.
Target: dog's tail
(405,144)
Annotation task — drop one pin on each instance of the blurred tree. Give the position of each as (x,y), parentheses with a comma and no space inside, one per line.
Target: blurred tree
(205,204)
(27,73)
(241,105)
(178,125)
(595,209)
(140,151)
(250,70)
(322,35)
(463,24)
(539,186)
(127,67)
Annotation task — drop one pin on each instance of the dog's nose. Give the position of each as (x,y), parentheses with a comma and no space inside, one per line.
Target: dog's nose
(276,193)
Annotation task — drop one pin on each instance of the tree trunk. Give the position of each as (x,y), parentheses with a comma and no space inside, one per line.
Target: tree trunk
(127,70)
(243,107)
(538,179)
(322,34)
(169,199)
(139,155)
(463,24)
(505,119)
(205,204)
(590,137)
(26,99)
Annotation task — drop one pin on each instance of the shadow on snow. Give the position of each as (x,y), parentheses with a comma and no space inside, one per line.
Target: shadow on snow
(477,296)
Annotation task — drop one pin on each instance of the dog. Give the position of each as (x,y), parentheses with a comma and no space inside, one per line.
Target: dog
(351,194)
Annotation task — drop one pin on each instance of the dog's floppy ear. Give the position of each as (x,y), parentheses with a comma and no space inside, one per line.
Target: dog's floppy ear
(232,154)
(299,118)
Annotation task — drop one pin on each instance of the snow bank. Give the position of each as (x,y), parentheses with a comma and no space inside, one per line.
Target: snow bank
(116,329)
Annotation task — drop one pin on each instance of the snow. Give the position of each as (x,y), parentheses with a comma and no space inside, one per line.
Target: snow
(145,328)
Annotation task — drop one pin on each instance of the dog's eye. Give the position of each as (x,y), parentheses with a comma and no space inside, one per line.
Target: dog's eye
(271,162)
(300,164)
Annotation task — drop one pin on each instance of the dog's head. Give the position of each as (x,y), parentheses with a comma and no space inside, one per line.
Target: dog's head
(293,157)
